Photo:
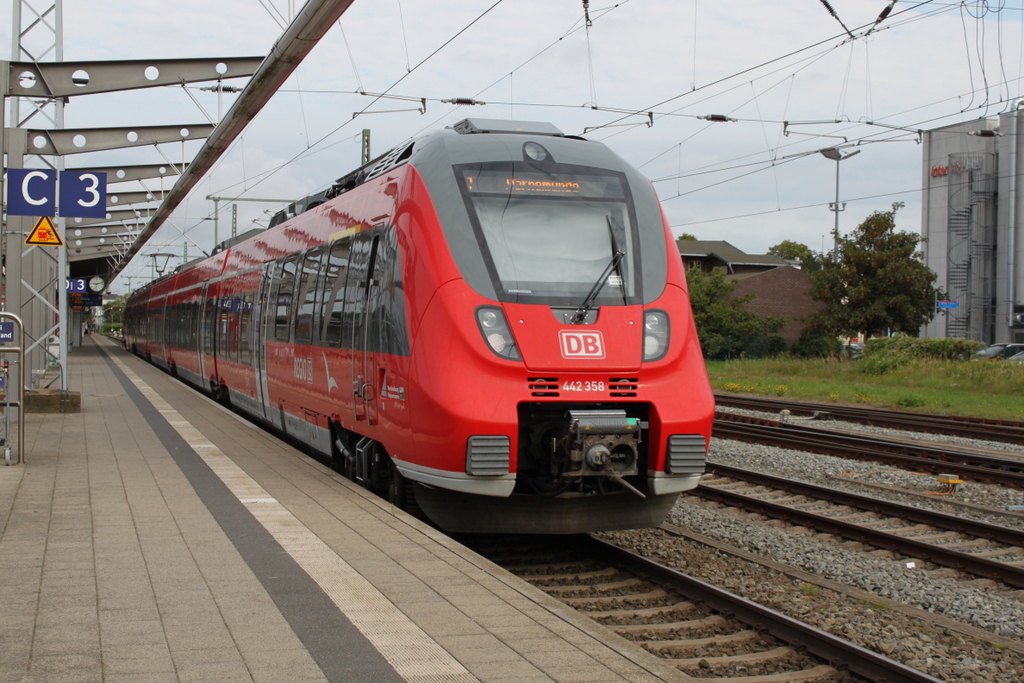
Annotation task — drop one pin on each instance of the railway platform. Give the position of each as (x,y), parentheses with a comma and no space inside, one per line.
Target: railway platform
(156,536)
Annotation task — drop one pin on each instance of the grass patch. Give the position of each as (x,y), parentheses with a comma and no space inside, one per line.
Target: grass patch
(873,604)
(809,589)
(992,389)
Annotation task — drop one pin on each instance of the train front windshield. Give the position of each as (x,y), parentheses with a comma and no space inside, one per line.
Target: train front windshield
(550,233)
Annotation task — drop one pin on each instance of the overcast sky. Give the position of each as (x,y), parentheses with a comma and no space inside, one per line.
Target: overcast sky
(929,64)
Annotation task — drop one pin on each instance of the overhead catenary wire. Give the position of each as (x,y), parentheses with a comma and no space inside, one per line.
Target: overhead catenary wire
(896,193)
(511,103)
(573,29)
(310,149)
(836,16)
(348,48)
(405,38)
(744,72)
(535,104)
(867,139)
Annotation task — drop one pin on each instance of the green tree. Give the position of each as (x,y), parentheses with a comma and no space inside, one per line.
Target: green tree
(725,330)
(791,251)
(874,280)
(687,236)
(113,313)
(795,251)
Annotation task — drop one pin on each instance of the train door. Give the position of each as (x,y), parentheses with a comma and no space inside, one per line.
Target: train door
(207,331)
(260,322)
(359,291)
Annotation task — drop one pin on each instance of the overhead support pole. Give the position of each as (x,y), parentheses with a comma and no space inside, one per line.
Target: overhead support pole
(1011,217)
(308,27)
(34,275)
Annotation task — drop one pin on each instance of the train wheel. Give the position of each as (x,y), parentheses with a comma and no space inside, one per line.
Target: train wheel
(400,489)
(396,487)
(402,494)
(339,461)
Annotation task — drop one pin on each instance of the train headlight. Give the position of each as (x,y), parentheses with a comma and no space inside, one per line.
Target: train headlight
(655,335)
(489,318)
(496,332)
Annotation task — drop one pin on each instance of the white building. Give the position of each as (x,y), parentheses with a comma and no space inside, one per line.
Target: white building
(971,218)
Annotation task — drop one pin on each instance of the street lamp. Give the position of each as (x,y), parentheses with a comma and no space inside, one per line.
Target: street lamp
(835,155)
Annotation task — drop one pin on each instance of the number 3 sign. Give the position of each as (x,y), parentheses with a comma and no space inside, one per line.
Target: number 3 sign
(83,194)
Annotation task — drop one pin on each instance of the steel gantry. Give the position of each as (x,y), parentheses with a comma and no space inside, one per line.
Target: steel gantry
(40,79)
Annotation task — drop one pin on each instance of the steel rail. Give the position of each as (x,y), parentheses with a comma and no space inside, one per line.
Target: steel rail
(838,651)
(968,562)
(973,427)
(994,532)
(965,562)
(990,469)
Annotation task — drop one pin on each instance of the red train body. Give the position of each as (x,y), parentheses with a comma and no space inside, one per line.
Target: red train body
(490,322)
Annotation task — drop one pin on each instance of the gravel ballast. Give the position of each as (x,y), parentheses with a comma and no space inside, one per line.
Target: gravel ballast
(930,647)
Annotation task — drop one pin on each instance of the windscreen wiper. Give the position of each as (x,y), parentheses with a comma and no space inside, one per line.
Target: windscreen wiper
(580,316)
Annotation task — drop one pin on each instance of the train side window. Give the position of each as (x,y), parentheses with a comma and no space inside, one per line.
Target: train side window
(182,325)
(193,324)
(175,316)
(387,306)
(169,311)
(333,299)
(223,318)
(305,298)
(209,324)
(161,327)
(227,329)
(358,289)
(284,297)
(245,329)
(180,330)
(235,327)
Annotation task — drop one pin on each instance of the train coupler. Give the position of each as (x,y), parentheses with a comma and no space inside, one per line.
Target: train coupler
(604,442)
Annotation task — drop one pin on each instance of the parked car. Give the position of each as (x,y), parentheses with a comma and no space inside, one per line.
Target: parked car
(1018,358)
(999,351)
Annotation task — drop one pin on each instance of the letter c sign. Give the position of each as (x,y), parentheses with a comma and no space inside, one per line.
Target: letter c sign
(31,192)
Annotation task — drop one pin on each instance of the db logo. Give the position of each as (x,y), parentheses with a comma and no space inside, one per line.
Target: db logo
(581,344)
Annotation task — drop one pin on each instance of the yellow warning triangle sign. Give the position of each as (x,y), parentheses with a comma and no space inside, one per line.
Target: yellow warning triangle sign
(44,234)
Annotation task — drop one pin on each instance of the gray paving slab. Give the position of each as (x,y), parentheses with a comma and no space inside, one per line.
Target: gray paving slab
(128,568)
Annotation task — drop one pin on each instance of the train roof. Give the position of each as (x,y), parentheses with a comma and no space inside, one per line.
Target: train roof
(403,152)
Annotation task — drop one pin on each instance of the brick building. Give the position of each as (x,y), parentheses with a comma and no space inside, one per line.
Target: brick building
(782,292)
(781,289)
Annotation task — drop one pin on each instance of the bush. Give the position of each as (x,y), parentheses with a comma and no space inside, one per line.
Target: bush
(919,347)
(815,345)
(891,353)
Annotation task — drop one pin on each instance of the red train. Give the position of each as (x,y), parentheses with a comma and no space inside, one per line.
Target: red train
(490,322)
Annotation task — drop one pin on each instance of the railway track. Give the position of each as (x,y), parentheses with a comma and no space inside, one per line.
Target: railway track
(970,466)
(705,631)
(970,427)
(977,548)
